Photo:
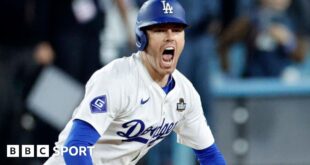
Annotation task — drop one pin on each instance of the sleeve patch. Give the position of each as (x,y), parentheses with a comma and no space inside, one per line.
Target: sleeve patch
(99,104)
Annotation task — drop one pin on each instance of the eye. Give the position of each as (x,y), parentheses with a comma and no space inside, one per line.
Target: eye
(159,30)
(177,29)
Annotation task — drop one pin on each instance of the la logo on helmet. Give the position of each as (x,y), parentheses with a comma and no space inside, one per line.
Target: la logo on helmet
(167,8)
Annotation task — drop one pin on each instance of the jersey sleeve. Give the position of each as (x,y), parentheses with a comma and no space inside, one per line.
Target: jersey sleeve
(193,130)
(101,102)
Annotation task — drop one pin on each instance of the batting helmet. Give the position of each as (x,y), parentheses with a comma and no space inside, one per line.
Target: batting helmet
(155,12)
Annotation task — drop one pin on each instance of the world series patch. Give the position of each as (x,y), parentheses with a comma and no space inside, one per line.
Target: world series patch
(99,104)
(181,105)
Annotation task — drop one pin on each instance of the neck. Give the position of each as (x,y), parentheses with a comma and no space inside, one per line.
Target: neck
(160,79)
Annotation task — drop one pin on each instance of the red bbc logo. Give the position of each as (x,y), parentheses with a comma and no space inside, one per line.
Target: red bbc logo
(27,151)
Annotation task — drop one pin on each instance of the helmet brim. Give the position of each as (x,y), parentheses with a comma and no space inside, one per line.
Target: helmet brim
(163,20)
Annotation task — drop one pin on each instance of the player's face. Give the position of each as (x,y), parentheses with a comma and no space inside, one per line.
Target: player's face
(165,44)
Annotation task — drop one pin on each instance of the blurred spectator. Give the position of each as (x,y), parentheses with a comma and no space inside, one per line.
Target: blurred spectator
(269,37)
(117,38)
(194,63)
(76,25)
(24,48)
(203,18)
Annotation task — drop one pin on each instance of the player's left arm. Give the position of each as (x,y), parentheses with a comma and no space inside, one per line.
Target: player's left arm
(193,131)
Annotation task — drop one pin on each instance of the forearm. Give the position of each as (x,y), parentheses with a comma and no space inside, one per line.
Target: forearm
(82,136)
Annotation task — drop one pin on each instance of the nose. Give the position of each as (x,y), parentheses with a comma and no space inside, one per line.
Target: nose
(169,35)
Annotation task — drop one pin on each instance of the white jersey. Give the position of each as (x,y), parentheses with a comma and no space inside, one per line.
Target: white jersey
(132,113)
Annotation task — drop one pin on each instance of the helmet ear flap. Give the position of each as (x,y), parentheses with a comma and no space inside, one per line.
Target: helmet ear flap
(141,41)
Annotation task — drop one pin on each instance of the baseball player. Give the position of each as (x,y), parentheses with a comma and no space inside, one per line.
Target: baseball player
(133,103)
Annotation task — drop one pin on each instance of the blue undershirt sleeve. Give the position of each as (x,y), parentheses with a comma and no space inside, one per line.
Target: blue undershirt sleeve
(82,135)
(210,156)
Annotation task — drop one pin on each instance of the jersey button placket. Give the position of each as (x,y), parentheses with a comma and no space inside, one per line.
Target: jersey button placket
(163,109)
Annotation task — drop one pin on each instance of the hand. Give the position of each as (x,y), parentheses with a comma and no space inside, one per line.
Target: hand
(280,33)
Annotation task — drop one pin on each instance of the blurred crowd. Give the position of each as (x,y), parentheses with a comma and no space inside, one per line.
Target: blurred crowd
(81,36)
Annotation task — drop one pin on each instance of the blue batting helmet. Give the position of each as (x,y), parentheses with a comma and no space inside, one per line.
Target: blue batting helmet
(155,12)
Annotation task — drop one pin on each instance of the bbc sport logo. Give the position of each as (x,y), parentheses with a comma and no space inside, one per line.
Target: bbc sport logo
(30,151)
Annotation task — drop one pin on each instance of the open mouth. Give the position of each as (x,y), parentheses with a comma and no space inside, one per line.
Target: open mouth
(168,55)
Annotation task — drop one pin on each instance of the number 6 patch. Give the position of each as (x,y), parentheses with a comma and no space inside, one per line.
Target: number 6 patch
(99,104)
